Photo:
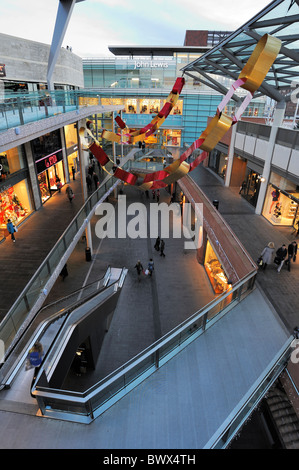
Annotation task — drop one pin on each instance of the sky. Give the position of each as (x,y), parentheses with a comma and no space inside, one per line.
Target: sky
(97,24)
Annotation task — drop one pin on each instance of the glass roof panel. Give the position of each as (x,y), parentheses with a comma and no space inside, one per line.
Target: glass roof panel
(229,55)
(286,8)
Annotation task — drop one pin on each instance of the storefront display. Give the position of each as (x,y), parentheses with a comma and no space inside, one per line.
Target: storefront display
(215,271)
(71,142)
(172,138)
(15,204)
(218,162)
(280,207)
(50,179)
(48,157)
(11,161)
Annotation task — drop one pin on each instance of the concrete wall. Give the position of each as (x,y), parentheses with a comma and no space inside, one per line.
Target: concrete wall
(28,61)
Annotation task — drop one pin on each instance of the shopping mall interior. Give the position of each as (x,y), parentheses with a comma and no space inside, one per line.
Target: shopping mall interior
(201,352)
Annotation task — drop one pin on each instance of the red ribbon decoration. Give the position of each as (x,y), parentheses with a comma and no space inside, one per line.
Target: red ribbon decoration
(250,79)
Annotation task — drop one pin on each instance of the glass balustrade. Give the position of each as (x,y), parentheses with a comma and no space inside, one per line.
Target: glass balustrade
(19,109)
(103,394)
(22,306)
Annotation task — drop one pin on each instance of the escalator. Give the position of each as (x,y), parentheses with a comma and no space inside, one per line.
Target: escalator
(49,320)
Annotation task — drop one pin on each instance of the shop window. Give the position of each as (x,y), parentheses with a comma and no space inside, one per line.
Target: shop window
(172,138)
(280,208)
(70,135)
(11,160)
(43,186)
(46,144)
(215,271)
(15,204)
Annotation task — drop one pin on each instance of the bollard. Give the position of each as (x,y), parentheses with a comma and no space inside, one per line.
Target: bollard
(216,203)
(87,254)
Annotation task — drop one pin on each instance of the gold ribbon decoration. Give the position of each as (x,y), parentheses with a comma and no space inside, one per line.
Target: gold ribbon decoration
(250,78)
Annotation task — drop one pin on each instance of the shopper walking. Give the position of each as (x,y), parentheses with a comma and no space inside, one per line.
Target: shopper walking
(150,267)
(157,244)
(74,173)
(70,193)
(281,254)
(64,272)
(267,254)
(292,252)
(11,229)
(95,180)
(58,184)
(242,187)
(162,248)
(139,269)
(89,182)
(35,358)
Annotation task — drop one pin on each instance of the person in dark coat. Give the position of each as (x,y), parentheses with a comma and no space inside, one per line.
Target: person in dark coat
(157,244)
(162,248)
(74,173)
(139,269)
(281,254)
(292,252)
(70,193)
(95,179)
(64,272)
(89,182)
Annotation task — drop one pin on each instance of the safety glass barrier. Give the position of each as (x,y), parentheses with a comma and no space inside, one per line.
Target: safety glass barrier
(27,299)
(17,110)
(138,368)
(74,316)
(229,429)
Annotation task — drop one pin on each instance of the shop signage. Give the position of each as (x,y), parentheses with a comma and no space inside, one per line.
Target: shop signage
(71,149)
(48,161)
(150,64)
(2,70)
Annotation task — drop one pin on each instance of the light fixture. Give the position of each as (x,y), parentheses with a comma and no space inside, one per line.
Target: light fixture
(135,79)
(263,179)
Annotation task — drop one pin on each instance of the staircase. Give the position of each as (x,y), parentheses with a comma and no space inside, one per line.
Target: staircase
(284,416)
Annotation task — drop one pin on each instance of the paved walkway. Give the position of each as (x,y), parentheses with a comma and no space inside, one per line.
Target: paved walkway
(150,309)
(255,232)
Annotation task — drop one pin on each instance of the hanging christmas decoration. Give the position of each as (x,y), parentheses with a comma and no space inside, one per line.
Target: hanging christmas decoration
(250,79)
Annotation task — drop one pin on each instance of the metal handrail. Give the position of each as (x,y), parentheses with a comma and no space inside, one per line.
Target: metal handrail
(224,435)
(84,398)
(86,210)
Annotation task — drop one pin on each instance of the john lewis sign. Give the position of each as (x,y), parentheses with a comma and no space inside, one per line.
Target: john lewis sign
(139,64)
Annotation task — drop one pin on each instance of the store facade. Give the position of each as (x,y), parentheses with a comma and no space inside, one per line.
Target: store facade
(16,201)
(281,202)
(71,144)
(48,156)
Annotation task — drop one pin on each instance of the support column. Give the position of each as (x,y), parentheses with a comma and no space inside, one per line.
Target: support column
(277,121)
(230,155)
(64,155)
(33,176)
(83,185)
(65,9)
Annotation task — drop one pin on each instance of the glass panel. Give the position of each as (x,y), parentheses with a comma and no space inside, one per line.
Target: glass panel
(108,392)
(170,346)
(139,369)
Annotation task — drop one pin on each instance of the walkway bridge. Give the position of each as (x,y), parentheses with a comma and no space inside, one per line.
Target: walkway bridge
(194,387)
